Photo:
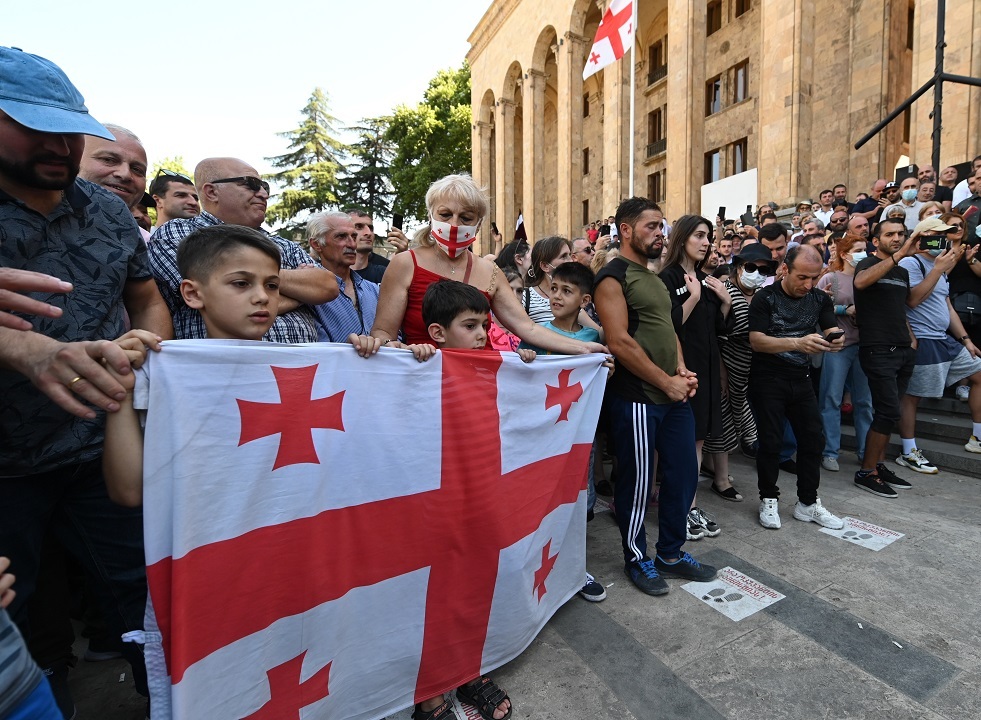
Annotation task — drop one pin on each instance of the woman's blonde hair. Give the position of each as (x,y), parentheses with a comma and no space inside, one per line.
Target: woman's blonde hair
(461,188)
(932,205)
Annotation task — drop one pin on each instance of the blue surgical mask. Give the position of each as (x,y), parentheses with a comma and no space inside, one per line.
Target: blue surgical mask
(934,253)
(855,258)
(909,195)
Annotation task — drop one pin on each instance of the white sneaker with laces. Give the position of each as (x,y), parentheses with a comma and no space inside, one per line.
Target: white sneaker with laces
(973,445)
(829,463)
(962,393)
(770,514)
(914,460)
(819,514)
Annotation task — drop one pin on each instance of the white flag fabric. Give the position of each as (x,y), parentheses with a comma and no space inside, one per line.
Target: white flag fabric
(614,36)
(339,537)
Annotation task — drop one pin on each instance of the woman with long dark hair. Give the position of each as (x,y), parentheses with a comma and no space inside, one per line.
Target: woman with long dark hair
(700,308)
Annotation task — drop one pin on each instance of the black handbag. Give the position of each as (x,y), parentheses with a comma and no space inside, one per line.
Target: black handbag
(967,305)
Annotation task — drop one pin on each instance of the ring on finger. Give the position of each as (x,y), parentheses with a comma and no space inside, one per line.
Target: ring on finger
(71,385)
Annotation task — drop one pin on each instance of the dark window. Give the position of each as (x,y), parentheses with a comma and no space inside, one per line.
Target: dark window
(740,86)
(713,169)
(655,125)
(739,163)
(713,95)
(585,105)
(713,18)
(910,26)
(585,161)
(655,190)
(585,212)
(906,125)
(657,62)
(743,6)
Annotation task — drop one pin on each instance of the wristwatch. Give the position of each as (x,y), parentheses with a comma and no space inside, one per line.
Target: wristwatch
(963,338)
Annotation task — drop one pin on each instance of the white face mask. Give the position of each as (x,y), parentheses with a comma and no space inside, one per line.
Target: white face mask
(453,239)
(855,258)
(752,280)
(909,194)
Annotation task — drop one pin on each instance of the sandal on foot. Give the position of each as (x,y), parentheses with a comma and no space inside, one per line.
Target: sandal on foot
(443,712)
(730,493)
(485,696)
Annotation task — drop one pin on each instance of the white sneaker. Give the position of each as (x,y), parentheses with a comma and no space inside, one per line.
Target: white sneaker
(915,461)
(973,445)
(819,514)
(829,463)
(962,393)
(770,514)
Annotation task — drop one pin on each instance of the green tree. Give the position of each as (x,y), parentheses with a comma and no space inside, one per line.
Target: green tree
(367,183)
(431,139)
(309,170)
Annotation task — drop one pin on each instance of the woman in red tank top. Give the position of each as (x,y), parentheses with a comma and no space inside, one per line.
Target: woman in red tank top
(457,207)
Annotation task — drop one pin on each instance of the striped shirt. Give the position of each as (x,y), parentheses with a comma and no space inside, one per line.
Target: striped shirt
(296,326)
(19,676)
(339,318)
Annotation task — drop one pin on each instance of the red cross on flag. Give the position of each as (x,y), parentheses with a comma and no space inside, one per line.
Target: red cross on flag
(614,36)
(329,536)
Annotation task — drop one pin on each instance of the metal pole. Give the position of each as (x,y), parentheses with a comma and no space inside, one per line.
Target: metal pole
(633,84)
(938,84)
(895,113)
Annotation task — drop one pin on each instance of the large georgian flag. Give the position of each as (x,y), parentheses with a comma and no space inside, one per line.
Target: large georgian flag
(614,36)
(329,536)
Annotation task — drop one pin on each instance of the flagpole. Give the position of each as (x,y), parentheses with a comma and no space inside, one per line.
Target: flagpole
(633,84)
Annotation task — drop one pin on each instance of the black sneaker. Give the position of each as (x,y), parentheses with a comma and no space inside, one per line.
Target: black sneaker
(644,575)
(58,680)
(592,590)
(891,479)
(872,483)
(748,449)
(789,466)
(686,568)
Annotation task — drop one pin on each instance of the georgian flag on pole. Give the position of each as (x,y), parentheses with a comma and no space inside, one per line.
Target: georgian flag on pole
(614,37)
(329,536)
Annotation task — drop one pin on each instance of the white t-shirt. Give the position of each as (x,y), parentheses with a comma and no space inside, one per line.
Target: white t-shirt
(961,192)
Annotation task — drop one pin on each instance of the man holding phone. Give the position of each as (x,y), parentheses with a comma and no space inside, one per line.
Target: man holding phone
(782,318)
(945,354)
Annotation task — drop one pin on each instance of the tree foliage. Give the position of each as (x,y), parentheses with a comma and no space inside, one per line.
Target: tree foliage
(309,170)
(174,164)
(367,182)
(432,139)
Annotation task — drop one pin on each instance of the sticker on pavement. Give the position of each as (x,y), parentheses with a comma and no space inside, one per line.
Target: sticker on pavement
(865,534)
(459,711)
(733,594)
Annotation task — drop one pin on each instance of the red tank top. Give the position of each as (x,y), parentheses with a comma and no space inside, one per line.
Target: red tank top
(414,330)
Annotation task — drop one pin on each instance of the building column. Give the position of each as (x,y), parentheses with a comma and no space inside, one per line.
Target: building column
(507,215)
(615,111)
(786,65)
(684,175)
(483,174)
(570,134)
(533,139)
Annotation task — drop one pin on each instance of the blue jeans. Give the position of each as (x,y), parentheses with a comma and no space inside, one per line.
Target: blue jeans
(106,538)
(839,368)
(637,430)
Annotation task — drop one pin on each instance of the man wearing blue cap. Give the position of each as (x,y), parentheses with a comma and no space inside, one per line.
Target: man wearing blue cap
(54,389)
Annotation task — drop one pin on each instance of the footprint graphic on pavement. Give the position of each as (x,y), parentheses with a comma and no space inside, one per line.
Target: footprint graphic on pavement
(855,537)
(720,596)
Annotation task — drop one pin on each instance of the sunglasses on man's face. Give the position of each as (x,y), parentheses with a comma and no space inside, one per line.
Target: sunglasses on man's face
(251,182)
(587,249)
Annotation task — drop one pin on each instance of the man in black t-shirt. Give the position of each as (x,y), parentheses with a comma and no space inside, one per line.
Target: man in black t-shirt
(782,318)
(886,347)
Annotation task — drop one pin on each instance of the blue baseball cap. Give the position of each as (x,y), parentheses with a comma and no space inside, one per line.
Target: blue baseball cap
(36,93)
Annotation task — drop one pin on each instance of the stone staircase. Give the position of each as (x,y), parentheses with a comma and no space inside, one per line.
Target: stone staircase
(942,427)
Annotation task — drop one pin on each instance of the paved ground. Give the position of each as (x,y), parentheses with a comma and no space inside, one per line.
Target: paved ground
(860,634)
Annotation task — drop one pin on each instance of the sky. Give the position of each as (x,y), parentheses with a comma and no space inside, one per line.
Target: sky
(222,77)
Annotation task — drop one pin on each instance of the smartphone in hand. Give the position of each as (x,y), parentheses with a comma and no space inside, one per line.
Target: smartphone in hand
(397,221)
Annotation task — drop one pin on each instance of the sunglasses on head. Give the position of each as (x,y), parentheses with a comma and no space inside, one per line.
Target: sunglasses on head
(251,182)
(170,173)
(753,267)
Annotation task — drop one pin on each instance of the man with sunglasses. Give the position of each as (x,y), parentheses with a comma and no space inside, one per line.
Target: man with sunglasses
(232,192)
(175,197)
(582,251)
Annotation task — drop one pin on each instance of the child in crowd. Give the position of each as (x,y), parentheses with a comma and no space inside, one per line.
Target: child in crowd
(569,292)
(500,338)
(231,276)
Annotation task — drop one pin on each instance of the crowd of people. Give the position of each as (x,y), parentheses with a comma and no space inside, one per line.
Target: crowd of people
(725,336)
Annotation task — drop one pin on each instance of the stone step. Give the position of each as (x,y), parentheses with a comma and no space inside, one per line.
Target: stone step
(947,455)
(935,425)
(948,405)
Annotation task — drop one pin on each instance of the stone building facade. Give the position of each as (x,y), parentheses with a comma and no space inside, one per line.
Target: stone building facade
(783,86)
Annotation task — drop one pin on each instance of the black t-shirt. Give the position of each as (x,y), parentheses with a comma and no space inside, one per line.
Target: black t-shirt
(880,309)
(775,313)
(962,279)
(943,194)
